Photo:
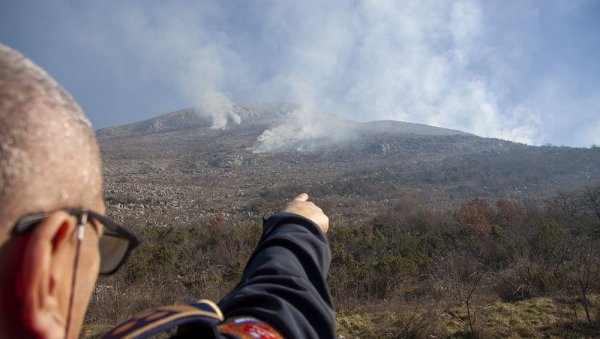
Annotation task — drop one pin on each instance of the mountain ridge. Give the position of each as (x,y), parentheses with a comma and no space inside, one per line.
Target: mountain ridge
(269,114)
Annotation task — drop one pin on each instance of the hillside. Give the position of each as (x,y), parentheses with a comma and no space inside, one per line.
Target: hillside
(177,159)
(434,232)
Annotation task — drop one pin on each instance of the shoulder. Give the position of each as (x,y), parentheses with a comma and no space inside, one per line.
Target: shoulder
(201,319)
(203,315)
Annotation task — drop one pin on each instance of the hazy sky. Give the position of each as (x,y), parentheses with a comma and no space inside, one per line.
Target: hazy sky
(522,70)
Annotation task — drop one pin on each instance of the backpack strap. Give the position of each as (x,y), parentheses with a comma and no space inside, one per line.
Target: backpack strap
(248,328)
(203,316)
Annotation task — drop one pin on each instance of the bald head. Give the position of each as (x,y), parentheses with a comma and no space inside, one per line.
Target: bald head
(49,157)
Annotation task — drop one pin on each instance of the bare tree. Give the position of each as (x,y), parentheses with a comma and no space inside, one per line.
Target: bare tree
(585,270)
(460,277)
(591,199)
(565,203)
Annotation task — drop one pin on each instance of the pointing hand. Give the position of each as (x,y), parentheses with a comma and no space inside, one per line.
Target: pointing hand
(301,206)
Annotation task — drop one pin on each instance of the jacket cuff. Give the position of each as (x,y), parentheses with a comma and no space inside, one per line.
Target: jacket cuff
(280,218)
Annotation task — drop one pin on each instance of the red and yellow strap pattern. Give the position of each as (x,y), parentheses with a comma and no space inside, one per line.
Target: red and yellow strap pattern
(249,328)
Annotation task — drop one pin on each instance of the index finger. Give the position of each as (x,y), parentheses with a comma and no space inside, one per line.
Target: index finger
(301,197)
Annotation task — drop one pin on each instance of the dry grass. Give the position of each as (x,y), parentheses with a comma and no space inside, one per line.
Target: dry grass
(533,318)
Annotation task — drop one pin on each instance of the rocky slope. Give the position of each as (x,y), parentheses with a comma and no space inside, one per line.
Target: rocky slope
(175,168)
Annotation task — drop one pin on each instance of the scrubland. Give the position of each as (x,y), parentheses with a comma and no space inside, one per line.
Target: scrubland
(433,234)
(501,268)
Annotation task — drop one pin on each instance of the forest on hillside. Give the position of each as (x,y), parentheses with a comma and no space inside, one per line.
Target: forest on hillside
(482,269)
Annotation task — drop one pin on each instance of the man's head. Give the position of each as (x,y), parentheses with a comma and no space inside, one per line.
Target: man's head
(49,160)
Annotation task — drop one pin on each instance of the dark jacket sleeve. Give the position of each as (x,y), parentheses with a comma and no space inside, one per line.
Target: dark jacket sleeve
(284,283)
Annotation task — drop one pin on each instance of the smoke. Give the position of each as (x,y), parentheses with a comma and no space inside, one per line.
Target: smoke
(518,70)
(416,61)
(174,46)
(219,108)
(304,129)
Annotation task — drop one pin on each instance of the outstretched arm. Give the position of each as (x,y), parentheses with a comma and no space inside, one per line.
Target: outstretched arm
(284,283)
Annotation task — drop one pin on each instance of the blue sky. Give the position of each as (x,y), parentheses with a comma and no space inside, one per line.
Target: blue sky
(521,70)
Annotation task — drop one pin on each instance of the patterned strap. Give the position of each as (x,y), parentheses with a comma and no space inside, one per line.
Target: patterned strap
(248,328)
(204,314)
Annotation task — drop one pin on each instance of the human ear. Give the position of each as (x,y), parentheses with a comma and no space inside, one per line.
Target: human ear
(41,286)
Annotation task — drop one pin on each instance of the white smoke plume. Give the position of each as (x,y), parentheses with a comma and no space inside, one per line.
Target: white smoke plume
(303,130)
(219,108)
(412,61)
(521,70)
(179,52)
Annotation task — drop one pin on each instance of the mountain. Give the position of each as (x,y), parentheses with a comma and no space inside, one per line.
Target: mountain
(267,114)
(176,167)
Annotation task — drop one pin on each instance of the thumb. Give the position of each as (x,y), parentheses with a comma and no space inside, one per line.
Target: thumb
(301,197)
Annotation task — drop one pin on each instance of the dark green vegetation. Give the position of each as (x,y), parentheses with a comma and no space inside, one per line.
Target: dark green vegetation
(433,232)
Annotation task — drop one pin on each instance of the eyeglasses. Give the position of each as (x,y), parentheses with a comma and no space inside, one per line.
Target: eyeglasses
(115,245)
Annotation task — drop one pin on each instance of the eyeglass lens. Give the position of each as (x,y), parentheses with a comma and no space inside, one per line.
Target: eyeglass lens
(112,252)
